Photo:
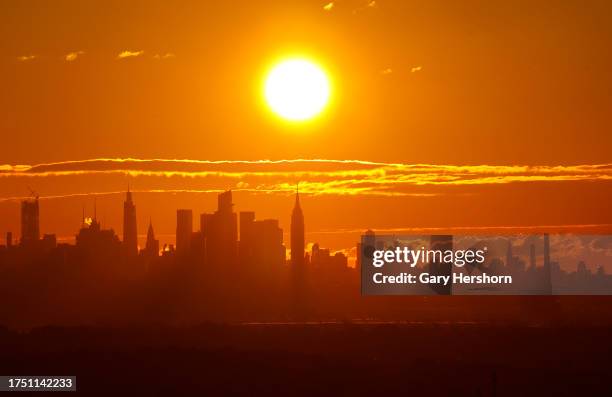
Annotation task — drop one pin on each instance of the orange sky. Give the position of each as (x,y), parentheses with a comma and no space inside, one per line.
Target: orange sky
(436,83)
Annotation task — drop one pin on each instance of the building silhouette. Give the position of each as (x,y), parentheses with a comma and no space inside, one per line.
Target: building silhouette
(197,249)
(96,243)
(322,258)
(297,234)
(365,248)
(261,241)
(184,228)
(152,245)
(547,282)
(48,242)
(300,304)
(30,223)
(130,234)
(220,232)
(532,257)
(247,237)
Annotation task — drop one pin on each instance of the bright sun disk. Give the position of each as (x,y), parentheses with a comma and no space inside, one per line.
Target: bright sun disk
(297,89)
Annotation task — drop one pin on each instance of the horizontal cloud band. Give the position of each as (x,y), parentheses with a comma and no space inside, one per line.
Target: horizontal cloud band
(316,176)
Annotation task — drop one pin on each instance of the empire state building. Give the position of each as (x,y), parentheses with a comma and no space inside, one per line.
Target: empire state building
(297,234)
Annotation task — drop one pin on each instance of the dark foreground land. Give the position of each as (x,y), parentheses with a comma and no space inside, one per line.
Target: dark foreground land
(317,359)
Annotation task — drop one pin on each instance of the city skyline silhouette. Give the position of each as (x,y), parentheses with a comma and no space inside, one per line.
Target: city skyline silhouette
(231,255)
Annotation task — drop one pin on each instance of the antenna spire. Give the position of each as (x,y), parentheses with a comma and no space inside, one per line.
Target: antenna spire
(297,194)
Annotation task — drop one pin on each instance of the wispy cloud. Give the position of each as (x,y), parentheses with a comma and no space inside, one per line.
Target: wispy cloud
(329,6)
(529,229)
(316,176)
(167,55)
(25,58)
(367,5)
(72,56)
(129,54)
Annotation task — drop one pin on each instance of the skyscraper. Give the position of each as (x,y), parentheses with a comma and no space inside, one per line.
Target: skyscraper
(532,257)
(547,282)
(152,245)
(247,239)
(96,243)
(298,262)
(130,239)
(365,249)
(297,233)
(220,231)
(261,241)
(30,229)
(184,228)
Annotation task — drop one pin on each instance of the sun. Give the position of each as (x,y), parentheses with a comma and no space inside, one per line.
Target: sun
(297,89)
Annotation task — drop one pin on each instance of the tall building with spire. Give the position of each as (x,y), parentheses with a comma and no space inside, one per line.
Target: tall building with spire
(130,239)
(152,245)
(297,233)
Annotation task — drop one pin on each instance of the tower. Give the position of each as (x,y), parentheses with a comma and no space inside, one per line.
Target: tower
(130,239)
(547,282)
(152,245)
(30,229)
(297,233)
(532,257)
(184,228)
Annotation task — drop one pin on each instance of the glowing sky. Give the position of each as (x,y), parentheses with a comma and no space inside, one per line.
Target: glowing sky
(425,93)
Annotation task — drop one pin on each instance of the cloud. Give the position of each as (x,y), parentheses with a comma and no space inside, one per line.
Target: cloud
(329,6)
(316,176)
(416,69)
(25,58)
(482,230)
(386,71)
(72,56)
(165,56)
(129,54)
(369,5)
